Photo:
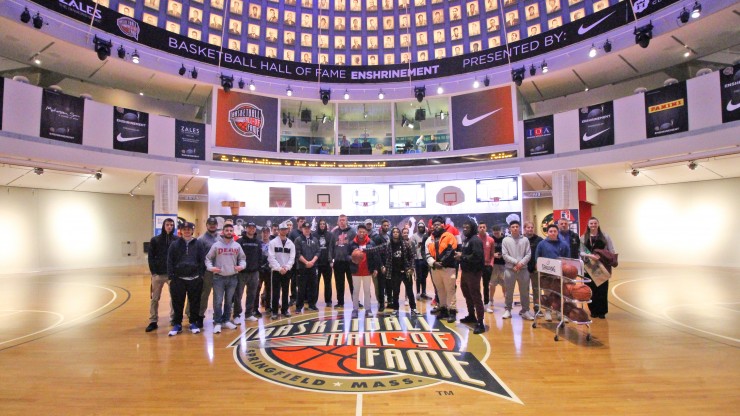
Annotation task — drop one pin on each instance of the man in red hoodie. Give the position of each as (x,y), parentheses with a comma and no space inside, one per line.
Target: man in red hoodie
(364,270)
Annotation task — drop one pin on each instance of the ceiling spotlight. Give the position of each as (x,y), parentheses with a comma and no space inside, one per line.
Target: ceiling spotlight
(252,87)
(135,57)
(37,61)
(98,175)
(323,119)
(182,70)
(141,93)
(25,15)
(693,165)
(38,21)
(440,90)
(346,94)
(643,35)
(684,16)
(607,46)
(696,10)
(131,193)
(381,95)
(364,115)
(592,52)
(289,91)
(241,83)
(476,84)
(121,52)
(102,47)
(544,67)
(486,81)
(687,53)
(38,171)
(532,70)
(635,172)
(325,96)
(442,115)
(517,75)
(585,89)
(227,82)
(420,93)
(194,73)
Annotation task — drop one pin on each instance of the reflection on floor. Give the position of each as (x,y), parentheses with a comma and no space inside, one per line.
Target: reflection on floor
(75,341)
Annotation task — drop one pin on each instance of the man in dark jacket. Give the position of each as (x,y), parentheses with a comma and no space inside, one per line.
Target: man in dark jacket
(185,268)
(471,264)
(382,281)
(343,236)
(326,258)
(399,267)
(249,277)
(158,247)
(569,237)
(307,254)
(365,269)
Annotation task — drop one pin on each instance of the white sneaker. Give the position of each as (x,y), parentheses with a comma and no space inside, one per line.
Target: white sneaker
(528,316)
(217,329)
(252,318)
(230,325)
(507,314)
(238,320)
(489,309)
(407,302)
(548,316)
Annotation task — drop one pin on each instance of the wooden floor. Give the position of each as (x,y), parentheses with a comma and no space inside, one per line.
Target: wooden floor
(73,343)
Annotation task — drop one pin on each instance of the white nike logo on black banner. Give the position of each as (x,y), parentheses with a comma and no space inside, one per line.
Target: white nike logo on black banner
(587,137)
(583,30)
(127,139)
(469,122)
(732,107)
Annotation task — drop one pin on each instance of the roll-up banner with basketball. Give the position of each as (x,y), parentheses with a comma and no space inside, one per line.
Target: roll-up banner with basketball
(729,79)
(666,110)
(130,130)
(539,136)
(246,121)
(62,117)
(190,140)
(484,118)
(596,125)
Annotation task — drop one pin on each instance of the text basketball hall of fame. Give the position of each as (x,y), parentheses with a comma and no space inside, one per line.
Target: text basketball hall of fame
(380,354)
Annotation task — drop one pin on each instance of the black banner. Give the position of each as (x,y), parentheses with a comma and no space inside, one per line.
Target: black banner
(729,84)
(130,130)
(2,91)
(539,136)
(596,125)
(190,140)
(666,110)
(588,27)
(62,117)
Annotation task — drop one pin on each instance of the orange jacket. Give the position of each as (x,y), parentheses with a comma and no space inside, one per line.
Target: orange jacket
(445,253)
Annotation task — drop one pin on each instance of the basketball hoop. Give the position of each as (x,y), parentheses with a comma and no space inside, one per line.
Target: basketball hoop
(281,204)
(364,204)
(407,203)
(494,202)
(323,205)
(448,206)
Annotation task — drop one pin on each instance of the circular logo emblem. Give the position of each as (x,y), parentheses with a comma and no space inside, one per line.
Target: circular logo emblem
(371,354)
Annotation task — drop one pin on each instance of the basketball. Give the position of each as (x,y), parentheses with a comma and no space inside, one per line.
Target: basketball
(554,301)
(358,256)
(570,271)
(576,314)
(578,292)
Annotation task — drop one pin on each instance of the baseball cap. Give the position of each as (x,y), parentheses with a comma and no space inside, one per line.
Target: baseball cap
(368,221)
(188,224)
(211,220)
(283,225)
(251,224)
(306,225)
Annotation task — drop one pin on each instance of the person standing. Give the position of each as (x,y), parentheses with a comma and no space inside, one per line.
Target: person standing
(292,235)
(343,236)
(363,270)
(157,257)
(326,258)
(596,245)
(534,240)
(440,248)
(471,260)
(499,265)
(488,253)
(382,280)
(552,247)
(516,253)
(307,254)
(264,291)
(185,268)
(399,268)
(225,260)
(281,256)
(569,237)
(422,268)
(249,277)
(207,240)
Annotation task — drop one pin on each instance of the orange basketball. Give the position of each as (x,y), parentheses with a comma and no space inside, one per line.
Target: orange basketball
(570,271)
(579,292)
(575,314)
(358,256)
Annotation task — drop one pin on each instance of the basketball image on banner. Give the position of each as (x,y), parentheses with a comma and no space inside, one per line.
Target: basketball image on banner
(246,121)
(539,136)
(190,140)
(729,85)
(130,130)
(62,116)
(596,125)
(667,110)
(484,118)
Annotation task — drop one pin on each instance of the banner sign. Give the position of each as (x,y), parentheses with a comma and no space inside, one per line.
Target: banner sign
(62,116)
(729,81)
(130,130)
(585,28)
(666,110)
(484,118)
(2,90)
(539,136)
(596,125)
(190,140)
(246,121)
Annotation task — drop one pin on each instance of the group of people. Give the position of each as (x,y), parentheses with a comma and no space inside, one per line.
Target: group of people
(284,266)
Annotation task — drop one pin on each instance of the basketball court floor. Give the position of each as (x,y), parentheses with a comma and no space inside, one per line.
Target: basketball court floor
(74,343)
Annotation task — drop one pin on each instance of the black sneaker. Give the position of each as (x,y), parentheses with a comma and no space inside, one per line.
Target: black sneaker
(200,322)
(452,317)
(292,302)
(442,313)
(151,327)
(257,314)
(470,319)
(339,305)
(313,308)
(480,328)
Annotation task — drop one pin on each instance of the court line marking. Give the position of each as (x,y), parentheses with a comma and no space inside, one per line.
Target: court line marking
(663,314)
(12,312)
(358,405)
(54,325)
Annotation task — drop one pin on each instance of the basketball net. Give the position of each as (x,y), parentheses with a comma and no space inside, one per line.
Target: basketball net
(494,203)
(281,206)
(448,207)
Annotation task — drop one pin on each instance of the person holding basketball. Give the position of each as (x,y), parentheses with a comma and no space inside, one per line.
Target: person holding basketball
(365,266)
(281,257)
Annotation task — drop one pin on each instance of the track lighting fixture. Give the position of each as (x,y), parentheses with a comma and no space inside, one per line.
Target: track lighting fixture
(252,87)
(289,91)
(325,96)
(440,90)
(635,172)
(592,52)
(194,73)
(102,47)
(135,57)
(607,46)
(98,175)
(38,21)
(532,70)
(420,93)
(381,95)
(693,165)
(643,35)
(121,52)
(696,10)
(38,171)
(544,67)
(476,84)
(227,82)
(684,16)
(486,81)
(25,15)
(517,75)
(182,70)
(346,94)
(241,83)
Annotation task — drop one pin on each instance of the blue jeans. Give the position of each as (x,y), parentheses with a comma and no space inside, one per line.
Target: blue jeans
(223,288)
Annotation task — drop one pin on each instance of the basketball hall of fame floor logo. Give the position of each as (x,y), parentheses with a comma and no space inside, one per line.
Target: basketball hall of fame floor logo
(372,354)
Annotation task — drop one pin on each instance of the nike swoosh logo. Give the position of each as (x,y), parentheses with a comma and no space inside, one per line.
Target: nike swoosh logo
(583,30)
(732,107)
(127,139)
(586,137)
(469,122)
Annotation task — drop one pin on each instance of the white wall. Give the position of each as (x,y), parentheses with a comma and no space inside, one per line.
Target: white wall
(689,223)
(53,230)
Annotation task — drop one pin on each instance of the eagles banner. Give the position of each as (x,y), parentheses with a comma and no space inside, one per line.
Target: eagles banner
(62,117)
(190,140)
(729,79)
(666,110)
(130,130)
(539,136)
(246,121)
(596,125)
